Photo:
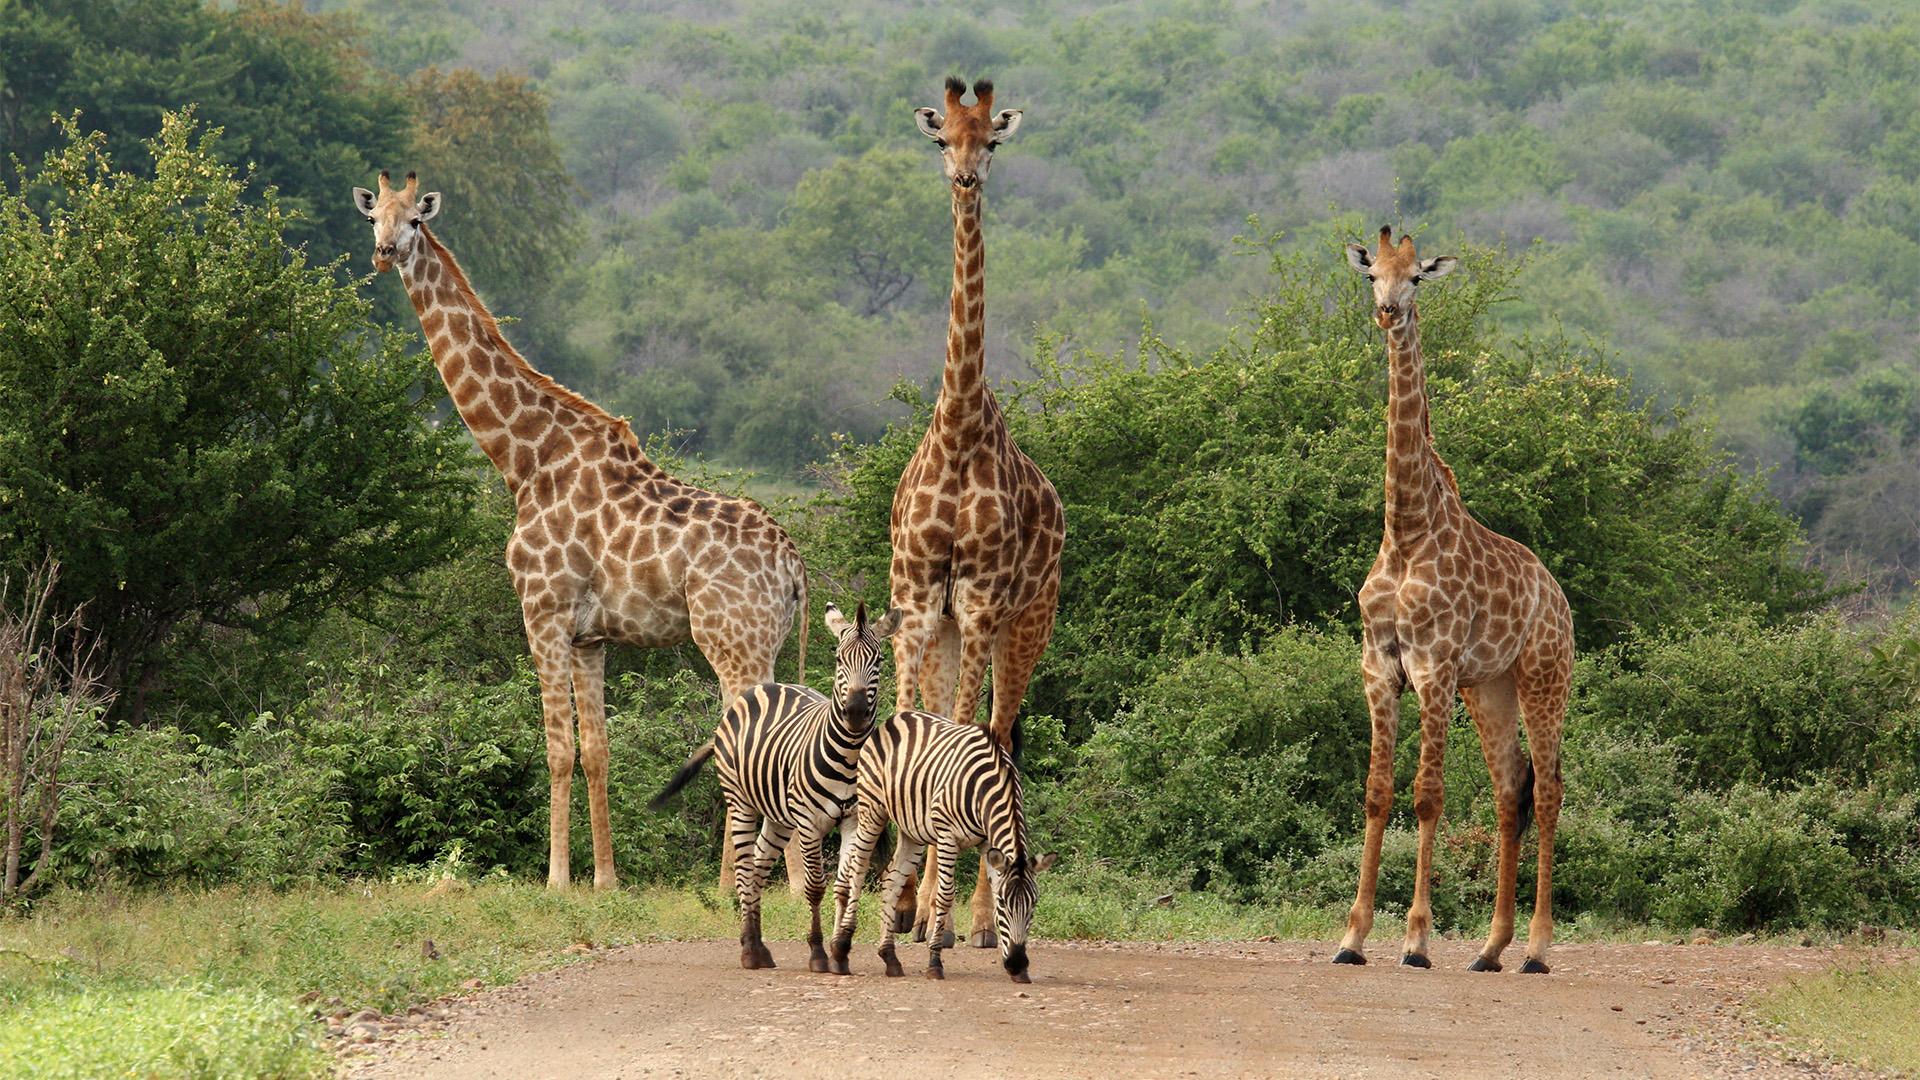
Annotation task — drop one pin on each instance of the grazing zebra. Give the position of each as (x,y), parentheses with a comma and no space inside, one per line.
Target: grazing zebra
(789,754)
(950,785)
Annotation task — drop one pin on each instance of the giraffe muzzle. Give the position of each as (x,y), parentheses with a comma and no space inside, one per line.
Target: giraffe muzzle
(967,181)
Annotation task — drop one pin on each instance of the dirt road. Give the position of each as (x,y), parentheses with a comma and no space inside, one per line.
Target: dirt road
(1109,1011)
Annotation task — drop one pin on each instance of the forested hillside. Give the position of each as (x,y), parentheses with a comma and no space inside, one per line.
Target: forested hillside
(1724,194)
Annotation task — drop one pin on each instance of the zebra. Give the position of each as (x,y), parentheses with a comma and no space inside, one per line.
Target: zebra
(789,755)
(951,785)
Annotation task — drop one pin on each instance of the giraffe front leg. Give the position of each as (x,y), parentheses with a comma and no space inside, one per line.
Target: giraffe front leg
(856,854)
(553,659)
(590,702)
(906,859)
(1383,704)
(942,868)
(1429,794)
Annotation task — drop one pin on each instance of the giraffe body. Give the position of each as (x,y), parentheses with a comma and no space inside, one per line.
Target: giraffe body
(977,529)
(606,546)
(1449,607)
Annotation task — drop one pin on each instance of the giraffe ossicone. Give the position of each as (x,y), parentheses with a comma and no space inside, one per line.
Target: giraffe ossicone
(606,546)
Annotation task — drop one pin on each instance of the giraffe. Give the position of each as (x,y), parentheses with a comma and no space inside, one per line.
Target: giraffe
(606,546)
(1451,605)
(976,528)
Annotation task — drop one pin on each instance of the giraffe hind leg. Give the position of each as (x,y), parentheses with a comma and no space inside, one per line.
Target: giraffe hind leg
(1495,708)
(1016,652)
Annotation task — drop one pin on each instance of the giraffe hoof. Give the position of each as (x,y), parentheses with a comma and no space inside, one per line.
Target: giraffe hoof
(1481,963)
(902,922)
(984,939)
(1348,956)
(1414,960)
(919,931)
(1534,967)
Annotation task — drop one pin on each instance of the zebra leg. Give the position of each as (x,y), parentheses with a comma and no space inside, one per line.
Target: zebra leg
(906,859)
(806,851)
(946,856)
(742,829)
(773,838)
(856,854)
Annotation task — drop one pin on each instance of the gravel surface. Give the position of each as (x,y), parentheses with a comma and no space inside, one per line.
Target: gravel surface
(1110,1010)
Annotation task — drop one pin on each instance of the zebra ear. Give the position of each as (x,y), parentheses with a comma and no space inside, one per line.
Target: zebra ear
(996,862)
(1044,861)
(836,622)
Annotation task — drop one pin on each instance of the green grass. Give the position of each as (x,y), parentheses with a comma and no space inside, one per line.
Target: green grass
(1863,1014)
(178,1031)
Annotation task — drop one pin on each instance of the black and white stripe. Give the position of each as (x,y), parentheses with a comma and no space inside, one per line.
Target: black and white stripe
(788,759)
(951,785)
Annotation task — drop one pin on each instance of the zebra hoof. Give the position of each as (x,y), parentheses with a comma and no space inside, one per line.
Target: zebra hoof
(1022,978)
(1481,963)
(1348,956)
(888,957)
(946,940)
(839,967)
(936,973)
(754,959)
(1415,960)
(818,964)
(1534,967)
(984,939)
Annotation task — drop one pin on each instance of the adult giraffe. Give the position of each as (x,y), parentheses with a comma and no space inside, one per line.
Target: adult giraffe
(606,546)
(976,528)
(1451,605)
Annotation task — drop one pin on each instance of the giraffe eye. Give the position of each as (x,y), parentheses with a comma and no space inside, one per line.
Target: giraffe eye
(369,219)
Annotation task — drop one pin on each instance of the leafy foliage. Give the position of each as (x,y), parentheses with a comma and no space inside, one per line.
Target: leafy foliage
(240,455)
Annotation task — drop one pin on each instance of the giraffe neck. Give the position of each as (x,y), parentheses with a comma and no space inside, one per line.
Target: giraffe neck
(963,384)
(521,419)
(1417,495)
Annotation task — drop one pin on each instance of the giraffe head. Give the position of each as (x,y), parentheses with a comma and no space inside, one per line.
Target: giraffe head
(967,134)
(1012,876)
(396,215)
(856,661)
(1394,272)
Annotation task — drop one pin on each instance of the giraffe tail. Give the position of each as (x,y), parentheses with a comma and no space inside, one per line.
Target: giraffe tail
(806,628)
(1526,801)
(684,777)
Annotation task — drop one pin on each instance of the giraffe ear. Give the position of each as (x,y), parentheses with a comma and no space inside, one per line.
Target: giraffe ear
(1005,124)
(1357,255)
(363,200)
(929,122)
(428,205)
(1437,268)
(885,626)
(836,622)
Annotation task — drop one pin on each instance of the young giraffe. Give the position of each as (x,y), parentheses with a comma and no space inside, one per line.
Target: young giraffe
(976,528)
(1451,605)
(606,546)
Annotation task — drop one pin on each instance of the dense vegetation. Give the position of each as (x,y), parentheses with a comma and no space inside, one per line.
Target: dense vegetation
(327,656)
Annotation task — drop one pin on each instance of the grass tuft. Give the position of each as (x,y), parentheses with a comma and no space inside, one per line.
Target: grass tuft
(1865,1015)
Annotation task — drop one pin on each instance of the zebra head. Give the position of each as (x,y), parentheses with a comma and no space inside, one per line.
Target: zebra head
(856,662)
(1014,895)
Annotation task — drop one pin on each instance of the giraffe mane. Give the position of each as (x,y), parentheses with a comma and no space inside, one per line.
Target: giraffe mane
(622,430)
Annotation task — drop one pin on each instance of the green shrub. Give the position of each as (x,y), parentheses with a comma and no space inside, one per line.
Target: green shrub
(162,1033)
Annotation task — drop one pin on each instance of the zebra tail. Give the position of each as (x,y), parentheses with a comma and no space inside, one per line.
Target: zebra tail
(1019,741)
(684,777)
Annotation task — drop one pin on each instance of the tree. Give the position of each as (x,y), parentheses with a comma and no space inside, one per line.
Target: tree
(194,419)
(484,142)
(293,92)
(880,219)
